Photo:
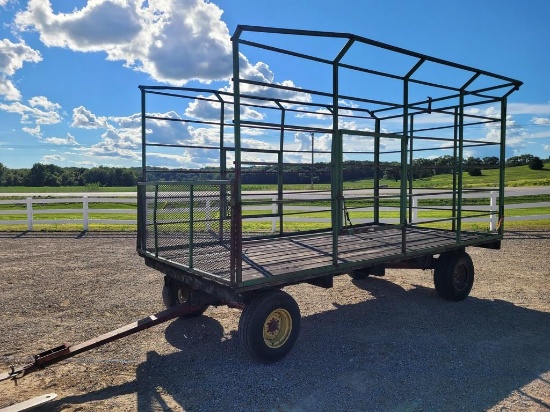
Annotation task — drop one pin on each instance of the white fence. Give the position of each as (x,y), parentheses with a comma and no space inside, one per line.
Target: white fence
(83,214)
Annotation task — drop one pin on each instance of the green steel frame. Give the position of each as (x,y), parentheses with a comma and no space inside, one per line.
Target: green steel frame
(456,104)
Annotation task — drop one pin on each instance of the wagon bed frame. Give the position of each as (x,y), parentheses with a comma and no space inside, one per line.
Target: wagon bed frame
(256,261)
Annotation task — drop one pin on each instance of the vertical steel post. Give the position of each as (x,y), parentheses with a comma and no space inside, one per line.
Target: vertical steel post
(143,137)
(337,180)
(191,223)
(141,239)
(237,198)
(155,224)
(460,166)
(403,188)
(223,170)
(335,184)
(377,172)
(312,158)
(455,153)
(280,169)
(410,171)
(404,166)
(503,114)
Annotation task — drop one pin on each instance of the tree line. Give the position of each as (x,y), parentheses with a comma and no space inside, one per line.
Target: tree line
(52,175)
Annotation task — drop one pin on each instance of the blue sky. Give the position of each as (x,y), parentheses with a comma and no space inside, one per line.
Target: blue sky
(69,71)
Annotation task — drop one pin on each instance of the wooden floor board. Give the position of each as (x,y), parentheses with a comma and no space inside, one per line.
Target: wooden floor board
(271,257)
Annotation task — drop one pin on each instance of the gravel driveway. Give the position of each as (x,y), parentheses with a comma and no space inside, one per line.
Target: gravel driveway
(387,344)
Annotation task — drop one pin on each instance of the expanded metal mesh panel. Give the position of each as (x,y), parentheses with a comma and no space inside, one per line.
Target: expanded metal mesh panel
(190,224)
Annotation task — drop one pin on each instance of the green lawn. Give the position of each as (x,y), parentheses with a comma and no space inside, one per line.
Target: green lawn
(515,176)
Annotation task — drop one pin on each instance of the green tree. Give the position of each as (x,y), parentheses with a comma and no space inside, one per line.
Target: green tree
(489,161)
(2,174)
(536,163)
(37,175)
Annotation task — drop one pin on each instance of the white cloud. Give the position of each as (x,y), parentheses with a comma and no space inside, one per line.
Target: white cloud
(210,111)
(34,131)
(321,114)
(32,113)
(85,119)
(12,57)
(69,140)
(52,159)
(109,148)
(515,135)
(8,90)
(527,108)
(540,120)
(157,130)
(172,40)
(42,101)
(547,147)
(541,135)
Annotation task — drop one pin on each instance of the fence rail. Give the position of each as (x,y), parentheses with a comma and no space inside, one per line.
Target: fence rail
(83,215)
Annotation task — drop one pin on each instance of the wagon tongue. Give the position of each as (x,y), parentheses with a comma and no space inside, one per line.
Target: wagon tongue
(65,351)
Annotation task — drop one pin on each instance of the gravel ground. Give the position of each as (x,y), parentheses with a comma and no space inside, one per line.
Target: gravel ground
(377,344)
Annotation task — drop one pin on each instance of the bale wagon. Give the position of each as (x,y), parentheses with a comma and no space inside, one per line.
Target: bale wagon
(371,110)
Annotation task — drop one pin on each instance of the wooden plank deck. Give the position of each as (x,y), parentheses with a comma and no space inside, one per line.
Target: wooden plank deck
(278,256)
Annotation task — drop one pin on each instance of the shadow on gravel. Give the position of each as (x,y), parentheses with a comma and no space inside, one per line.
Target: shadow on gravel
(527,234)
(402,351)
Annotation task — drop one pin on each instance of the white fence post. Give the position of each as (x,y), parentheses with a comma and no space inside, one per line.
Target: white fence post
(414,217)
(29,214)
(274,210)
(493,208)
(85,213)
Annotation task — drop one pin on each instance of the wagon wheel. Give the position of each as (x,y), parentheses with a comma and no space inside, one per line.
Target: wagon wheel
(359,274)
(269,326)
(454,275)
(175,293)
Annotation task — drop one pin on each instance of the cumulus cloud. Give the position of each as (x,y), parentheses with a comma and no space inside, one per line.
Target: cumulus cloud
(109,148)
(85,119)
(540,120)
(38,111)
(12,57)
(67,141)
(33,131)
(547,147)
(158,130)
(42,101)
(515,135)
(172,40)
(209,110)
(52,159)
(528,108)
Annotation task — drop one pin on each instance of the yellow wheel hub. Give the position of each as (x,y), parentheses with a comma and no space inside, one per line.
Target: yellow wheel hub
(277,328)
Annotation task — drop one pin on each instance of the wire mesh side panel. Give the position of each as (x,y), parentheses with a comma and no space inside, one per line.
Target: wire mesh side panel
(189,224)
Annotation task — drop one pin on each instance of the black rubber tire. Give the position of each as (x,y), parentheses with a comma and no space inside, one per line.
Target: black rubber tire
(359,274)
(255,317)
(454,275)
(175,293)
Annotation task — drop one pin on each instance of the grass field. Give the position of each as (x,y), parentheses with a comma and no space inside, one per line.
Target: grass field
(515,176)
